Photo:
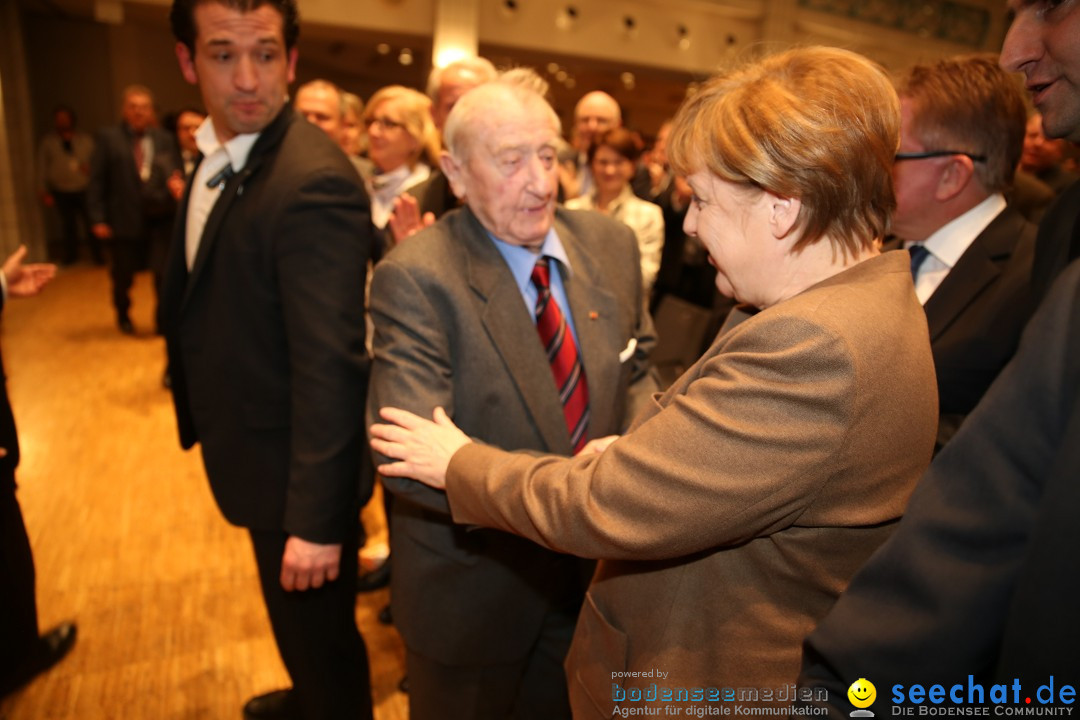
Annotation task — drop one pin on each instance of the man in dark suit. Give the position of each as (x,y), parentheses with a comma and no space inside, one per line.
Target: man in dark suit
(128,198)
(453,309)
(264,311)
(982,575)
(961,137)
(23,652)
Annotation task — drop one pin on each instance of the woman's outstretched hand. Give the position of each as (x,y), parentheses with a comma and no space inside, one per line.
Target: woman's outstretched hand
(420,448)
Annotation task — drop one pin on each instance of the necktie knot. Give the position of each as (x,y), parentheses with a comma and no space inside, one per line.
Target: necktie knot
(919,253)
(541,273)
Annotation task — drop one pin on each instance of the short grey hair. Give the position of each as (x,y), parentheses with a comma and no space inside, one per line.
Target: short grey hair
(481,67)
(513,87)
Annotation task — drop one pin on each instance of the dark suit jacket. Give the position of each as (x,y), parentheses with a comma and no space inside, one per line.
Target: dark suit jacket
(1058,242)
(451,329)
(739,504)
(116,195)
(982,576)
(266,335)
(977,314)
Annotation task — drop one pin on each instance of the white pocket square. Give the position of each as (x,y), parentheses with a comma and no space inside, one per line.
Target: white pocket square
(628,351)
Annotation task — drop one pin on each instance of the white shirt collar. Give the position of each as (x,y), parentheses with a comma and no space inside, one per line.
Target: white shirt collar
(952,239)
(236,149)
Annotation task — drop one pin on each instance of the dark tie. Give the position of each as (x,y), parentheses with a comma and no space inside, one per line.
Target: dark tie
(137,151)
(918,254)
(562,355)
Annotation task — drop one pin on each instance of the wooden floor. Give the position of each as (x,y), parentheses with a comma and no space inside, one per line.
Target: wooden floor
(126,536)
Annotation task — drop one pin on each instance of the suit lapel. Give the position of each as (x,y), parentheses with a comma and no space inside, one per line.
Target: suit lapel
(595,313)
(980,264)
(511,330)
(269,140)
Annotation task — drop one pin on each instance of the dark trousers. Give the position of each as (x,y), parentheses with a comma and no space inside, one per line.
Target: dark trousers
(128,257)
(18,607)
(316,634)
(532,689)
(71,207)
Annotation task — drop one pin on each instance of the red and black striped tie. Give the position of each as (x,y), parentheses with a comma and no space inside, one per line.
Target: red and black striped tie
(562,355)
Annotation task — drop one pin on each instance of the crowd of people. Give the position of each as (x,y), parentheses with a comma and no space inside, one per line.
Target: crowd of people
(444,276)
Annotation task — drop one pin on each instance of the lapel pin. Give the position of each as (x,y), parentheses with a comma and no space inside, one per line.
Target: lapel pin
(593,315)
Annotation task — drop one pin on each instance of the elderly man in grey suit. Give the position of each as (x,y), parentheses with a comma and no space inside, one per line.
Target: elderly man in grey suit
(526,323)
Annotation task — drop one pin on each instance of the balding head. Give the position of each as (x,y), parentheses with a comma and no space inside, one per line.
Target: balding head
(595,113)
(446,85)
(320,102)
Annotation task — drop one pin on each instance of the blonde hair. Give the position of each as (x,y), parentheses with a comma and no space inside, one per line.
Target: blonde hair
(415,117)
(818,124)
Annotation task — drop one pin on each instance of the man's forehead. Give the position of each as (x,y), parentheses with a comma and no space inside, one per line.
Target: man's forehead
(216,23)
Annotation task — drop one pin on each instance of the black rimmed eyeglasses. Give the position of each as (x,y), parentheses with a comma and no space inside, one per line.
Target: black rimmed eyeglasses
(937,153)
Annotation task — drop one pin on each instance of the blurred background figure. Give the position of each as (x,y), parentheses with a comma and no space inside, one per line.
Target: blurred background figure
(403,146)
(128,198)
(63,175)
(352,141)
(613,161)
(1045,157)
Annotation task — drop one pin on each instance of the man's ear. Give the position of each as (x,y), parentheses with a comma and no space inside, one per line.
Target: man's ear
(958,172)
(783,214)
(454,173)
(187,63)
(294,55)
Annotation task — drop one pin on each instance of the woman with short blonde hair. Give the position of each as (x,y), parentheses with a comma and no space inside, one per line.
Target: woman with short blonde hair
(402,144)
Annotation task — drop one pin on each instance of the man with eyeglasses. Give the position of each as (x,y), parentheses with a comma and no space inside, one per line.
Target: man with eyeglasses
(962,134)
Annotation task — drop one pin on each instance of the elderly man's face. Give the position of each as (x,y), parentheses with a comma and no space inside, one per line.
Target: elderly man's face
(509,177)
(1043,44)
(322,107)
(241,66)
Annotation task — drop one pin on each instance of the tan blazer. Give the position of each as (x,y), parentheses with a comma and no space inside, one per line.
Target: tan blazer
(738,506)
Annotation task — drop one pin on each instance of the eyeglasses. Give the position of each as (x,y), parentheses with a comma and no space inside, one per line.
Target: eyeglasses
(384,123)
(936,154)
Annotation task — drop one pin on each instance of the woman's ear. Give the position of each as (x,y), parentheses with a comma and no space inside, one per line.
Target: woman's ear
(783,213)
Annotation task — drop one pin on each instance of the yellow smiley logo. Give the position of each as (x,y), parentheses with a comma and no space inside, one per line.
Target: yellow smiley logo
(862,693)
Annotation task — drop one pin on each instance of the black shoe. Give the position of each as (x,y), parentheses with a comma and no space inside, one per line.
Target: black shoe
(51,649)
(125,326)
(374,580)
(385,616)
(276,705)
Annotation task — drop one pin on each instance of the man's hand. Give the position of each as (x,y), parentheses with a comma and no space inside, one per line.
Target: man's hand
(406,220)
(102,231)
(308,565)
(25,280)
(176,183)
